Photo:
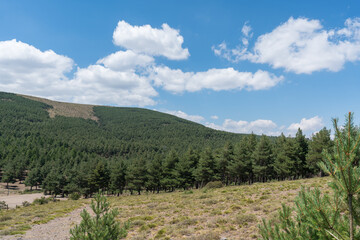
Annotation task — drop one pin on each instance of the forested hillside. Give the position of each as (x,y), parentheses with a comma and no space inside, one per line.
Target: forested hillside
(137,149)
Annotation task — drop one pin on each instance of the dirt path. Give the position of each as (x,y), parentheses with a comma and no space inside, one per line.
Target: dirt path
(18,199)
(57,229)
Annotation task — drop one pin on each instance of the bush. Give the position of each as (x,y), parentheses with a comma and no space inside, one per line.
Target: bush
(100,227)
(26,204)
(74,196)
(41,201)
(215,184)
(3,205)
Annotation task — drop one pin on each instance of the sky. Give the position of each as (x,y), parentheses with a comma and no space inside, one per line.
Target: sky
(267,67)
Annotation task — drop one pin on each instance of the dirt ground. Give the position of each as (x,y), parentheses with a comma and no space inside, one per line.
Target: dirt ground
(13,197)
(14,188)
(17,199)
(57,229)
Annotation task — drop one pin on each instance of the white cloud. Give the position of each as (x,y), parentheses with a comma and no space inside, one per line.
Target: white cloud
(180,114)
(100,85)
(307,125)
(215,79)
(301,46)
(165,42)
(214,117)
(268,127)
(27,70)
(126,60)
(123,78)
(259,126)
(246,30)
(24,68)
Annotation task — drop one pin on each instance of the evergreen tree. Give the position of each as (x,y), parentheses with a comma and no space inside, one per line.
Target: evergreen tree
(9,174)
(263,159)
(241,167)
(206,170)
(155,173)
(170,181)
(224,161)
(285,157)
(118,176)
(99,178)
(301,152)
(33,178)
(102,226)
(319,142)
(136,175)
(326,216)
(184,173)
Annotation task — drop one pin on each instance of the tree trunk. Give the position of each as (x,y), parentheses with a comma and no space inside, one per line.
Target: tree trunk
(351,217)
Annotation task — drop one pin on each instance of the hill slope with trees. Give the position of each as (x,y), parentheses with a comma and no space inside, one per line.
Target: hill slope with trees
(133,149)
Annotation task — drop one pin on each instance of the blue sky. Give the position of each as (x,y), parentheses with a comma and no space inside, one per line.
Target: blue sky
(240,66)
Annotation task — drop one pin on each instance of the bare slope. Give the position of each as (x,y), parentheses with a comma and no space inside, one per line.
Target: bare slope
(67,109)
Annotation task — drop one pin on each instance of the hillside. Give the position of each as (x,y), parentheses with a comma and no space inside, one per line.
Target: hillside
(107,131)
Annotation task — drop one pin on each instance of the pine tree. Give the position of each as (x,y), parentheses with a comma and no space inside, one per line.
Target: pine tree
(184,173)
(241,168)
(9,174)
(155,173)
(263,159)
(33,178)
(169,180)
(285,156)
(301,151)
(320,215)
(224,161)
(206,170)
(118,177)
(319,142)
(136,175)
(102,226)
(99,178)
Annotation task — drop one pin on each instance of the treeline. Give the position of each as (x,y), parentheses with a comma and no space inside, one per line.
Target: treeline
(251,160)
(137,149)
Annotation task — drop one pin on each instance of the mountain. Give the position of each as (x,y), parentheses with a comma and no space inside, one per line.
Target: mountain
(29,124)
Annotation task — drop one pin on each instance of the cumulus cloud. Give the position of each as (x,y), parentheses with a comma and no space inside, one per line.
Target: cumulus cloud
(259,126)
(28,70)
(181,114)
(307,125)
(300,45)
(24,68)
(214,117)
(101,85)
(145,39)
(177,81)
(126,77)
(126,60)
(268,127)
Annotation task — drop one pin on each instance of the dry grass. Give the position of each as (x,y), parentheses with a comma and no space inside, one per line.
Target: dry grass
(229,212)
(17,221)
(67,109)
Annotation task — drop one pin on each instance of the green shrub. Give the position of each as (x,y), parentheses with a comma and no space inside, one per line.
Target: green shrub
(74,196)
(41,201)
(3,205)
(102,226)
(215,184)
(26,204)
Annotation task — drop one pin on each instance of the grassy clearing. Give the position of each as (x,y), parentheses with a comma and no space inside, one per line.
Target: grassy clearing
(231,212)
(67,109)
(17,221)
